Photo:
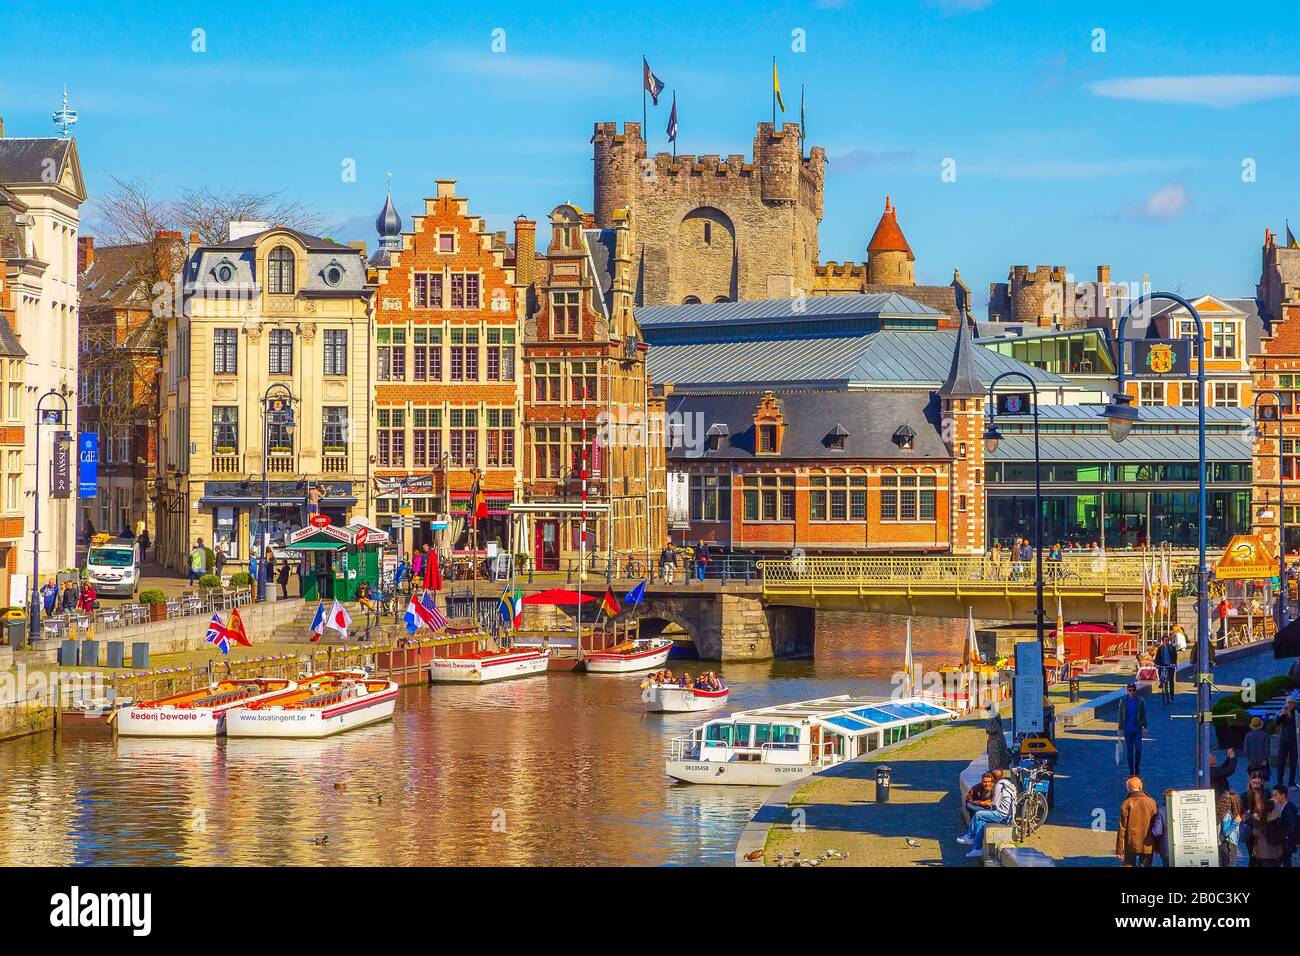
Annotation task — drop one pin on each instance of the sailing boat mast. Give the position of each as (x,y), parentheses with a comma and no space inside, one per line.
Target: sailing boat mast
(582,526)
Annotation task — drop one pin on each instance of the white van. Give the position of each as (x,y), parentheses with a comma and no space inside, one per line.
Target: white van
(114,567)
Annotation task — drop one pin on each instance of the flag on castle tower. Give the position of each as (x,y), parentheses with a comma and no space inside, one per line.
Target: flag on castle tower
(653,85)
(672,122)
(776,86)
(1290,238)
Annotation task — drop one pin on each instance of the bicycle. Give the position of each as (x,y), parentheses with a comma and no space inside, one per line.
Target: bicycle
(1030,811)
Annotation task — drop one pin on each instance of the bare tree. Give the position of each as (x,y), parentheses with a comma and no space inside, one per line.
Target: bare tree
(210,213)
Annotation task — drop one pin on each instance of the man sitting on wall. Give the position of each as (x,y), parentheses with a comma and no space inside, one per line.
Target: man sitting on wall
(980,796)
(1004,804)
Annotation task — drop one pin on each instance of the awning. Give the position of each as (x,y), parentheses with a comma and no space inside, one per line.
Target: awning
(559,596)
(208,501)
(318,546)
(1245,559)
(556,508)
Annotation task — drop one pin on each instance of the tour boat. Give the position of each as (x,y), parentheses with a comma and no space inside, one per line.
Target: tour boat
(640,655)
(675,699)
(322,705)
(483,667)
(775,745)
(197,713)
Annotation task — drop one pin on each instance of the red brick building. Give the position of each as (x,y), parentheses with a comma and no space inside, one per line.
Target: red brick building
(447,371)
(583,349)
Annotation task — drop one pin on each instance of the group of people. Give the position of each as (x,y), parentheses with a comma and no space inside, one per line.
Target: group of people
(992,800)
(699,559)
(68,597)
(706,681)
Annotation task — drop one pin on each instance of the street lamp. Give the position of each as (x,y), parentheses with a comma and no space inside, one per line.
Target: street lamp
(44,416)
(277,409)
(992,437)
(1281,501)
(1120,416)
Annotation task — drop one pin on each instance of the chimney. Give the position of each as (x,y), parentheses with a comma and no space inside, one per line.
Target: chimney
(525,250)
(194,243)
(85,254)
(1103,275)
(242,229)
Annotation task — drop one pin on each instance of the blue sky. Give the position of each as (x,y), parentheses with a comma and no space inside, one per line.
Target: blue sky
(1132,156)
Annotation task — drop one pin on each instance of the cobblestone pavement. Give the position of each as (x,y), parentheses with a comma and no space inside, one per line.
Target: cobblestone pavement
(839,811)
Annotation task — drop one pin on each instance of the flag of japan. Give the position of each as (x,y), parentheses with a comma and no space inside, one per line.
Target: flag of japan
(339,619)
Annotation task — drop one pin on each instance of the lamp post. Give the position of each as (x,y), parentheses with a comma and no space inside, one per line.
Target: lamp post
(1120,416)
(1281,502)
(44,416)
(991,439)
(277,409)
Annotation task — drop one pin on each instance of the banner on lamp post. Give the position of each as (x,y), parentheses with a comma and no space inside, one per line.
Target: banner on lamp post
(87,464)
(61,468)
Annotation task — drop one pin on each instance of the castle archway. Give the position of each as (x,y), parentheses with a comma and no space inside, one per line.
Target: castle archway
(706,256)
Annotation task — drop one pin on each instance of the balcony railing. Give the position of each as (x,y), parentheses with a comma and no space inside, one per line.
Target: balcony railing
(280,464)
(226,465)
(334,464)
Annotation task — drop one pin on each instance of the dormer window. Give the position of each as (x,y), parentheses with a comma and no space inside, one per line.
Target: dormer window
(717,432)
(280,271)
(333,273)
(836,437)
(905,438)
(767,440)
(224,272)
(769,425)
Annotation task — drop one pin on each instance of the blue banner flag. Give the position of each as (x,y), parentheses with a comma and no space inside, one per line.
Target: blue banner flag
(87,464)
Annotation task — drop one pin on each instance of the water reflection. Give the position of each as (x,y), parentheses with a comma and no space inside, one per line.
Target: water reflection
(562,770)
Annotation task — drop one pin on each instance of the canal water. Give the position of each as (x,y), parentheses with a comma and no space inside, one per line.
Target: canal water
(562,770)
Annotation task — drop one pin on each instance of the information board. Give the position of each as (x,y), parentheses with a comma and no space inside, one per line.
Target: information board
(1027,715)
(1193,828)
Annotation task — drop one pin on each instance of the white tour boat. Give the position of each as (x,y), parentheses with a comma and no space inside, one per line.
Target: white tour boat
(196,713)
(483,667)
(320,706)
(774,745)
(675,699)
(642,654)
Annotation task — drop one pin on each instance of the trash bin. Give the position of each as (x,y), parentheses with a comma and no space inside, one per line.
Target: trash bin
(882,784)
(140,654)
(1074,690)
(116,654)
(90,653)
(15,629)
(68,653)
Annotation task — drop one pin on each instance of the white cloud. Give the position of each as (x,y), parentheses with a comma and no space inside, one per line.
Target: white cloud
(526,66)
(1165,203)
(1219,91)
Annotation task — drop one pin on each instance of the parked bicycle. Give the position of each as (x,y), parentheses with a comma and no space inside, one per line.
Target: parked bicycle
(1033,785)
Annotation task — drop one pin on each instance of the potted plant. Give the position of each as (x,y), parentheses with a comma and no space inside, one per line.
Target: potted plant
(156,601)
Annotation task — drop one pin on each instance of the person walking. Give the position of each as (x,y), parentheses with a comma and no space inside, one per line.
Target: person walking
(1166,664)
(1180,638)
(1290,822)
(143,538)
(701,559)
(1222,611)
(1257,747)
(1134,843)
(1254,800)
(1132,721)
(198,561)
(1004,803)
(417,567)
(68,599)
(282,578)
(668,564)
(1268,829)
(1285,725)
(221,558)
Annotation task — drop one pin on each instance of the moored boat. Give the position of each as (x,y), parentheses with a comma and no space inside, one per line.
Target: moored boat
(484,667)
(774,745)
(675,699)
(197,713)
(629,657)
(320,706)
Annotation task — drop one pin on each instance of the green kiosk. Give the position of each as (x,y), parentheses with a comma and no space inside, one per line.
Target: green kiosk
(337,560)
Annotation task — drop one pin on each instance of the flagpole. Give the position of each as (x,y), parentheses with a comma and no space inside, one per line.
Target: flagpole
(774,92)
(645,122)
(674,131)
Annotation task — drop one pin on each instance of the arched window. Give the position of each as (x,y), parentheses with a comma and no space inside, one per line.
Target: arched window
(691,300)
(280,278)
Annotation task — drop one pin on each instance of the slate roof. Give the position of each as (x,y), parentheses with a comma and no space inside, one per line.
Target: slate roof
(775,311)
(1137,447)
(942,298)
(810,418)
(919,359)
(312,243)
(22,160)
(600,250)
(11,245)
(963,377)
(9,344)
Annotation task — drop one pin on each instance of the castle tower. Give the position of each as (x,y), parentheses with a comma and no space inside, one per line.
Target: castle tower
(961,400)
(889,257)
(713,228)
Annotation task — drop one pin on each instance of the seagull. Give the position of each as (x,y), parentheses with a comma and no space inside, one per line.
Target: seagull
(911,842)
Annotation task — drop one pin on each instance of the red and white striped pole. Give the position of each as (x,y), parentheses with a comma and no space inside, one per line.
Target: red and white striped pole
(582,525)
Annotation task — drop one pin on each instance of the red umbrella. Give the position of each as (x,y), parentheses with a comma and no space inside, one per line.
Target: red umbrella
(558,596)
(432,572)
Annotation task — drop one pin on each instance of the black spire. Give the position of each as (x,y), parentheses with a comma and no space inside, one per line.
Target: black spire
(963,378)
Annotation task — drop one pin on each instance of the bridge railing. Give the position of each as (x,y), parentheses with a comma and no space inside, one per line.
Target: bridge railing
(979,572)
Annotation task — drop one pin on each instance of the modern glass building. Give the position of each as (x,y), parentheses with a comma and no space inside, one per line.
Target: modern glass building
(1137,492)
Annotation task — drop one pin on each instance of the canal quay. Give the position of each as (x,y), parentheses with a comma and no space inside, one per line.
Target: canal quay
(565,769)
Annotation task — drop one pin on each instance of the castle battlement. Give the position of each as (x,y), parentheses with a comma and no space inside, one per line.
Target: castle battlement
(837,270)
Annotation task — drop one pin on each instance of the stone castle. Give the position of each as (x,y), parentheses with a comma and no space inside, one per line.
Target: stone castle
(713,228)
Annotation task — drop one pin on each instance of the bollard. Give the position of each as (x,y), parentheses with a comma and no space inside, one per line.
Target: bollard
(882,784)
(1074,690)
